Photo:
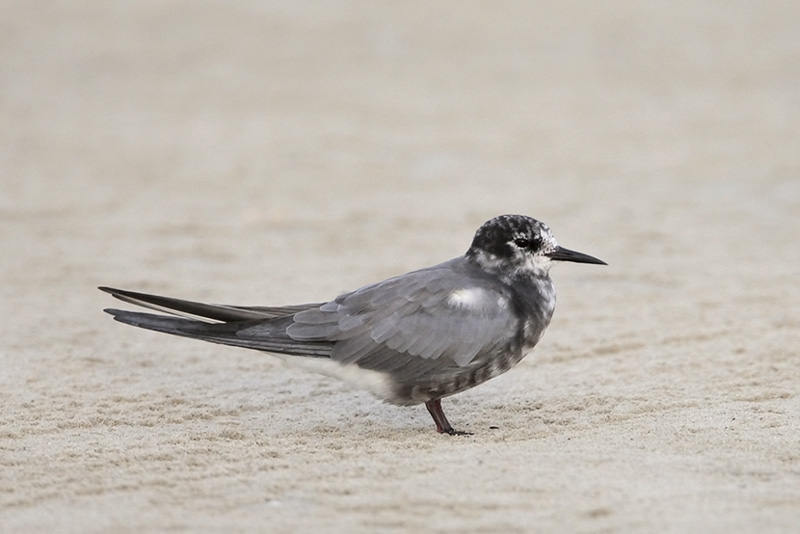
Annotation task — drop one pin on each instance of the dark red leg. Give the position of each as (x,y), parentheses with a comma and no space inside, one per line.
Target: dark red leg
(442,424)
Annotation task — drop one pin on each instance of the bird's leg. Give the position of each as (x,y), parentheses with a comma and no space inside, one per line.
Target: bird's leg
(442,424)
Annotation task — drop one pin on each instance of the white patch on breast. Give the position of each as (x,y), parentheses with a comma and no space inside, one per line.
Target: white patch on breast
(476,299)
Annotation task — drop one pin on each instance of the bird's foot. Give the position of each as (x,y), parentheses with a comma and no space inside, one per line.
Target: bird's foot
(454,432)
(442,424)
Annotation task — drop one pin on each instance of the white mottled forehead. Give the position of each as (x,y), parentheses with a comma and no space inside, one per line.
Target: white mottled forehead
(538,229)
(549,239)
(533,228)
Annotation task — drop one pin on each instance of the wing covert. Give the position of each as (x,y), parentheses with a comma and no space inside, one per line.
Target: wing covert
(433,314)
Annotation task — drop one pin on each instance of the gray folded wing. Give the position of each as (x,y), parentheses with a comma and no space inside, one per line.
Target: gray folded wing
(423,322)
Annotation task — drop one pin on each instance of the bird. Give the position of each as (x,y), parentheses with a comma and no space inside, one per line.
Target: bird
(410,339)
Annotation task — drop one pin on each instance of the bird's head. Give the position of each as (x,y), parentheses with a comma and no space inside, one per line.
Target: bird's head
(514,246)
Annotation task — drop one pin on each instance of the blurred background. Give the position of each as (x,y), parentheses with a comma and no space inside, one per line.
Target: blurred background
(284,151)
(375,122)
(288,150)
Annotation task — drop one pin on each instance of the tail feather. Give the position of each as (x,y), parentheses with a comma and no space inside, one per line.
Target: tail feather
(200,311)
(259,328)
(268,335)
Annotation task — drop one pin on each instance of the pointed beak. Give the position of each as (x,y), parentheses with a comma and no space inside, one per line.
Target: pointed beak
(565,254)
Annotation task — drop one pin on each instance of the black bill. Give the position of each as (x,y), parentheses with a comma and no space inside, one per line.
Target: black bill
(565,254)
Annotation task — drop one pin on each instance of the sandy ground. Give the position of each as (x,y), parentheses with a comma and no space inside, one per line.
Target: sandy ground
(278,152)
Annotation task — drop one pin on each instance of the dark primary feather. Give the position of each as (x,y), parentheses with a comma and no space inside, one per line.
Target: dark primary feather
(199,310)
(272,333)
(194,321)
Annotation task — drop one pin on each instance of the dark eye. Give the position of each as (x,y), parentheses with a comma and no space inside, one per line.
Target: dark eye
(521,242)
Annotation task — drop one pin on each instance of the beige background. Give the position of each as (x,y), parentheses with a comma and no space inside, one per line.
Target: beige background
(277,152)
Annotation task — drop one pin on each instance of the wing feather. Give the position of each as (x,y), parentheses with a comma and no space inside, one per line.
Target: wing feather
(425,316)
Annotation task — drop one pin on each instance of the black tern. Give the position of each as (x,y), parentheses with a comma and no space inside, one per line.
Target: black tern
(411,339)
